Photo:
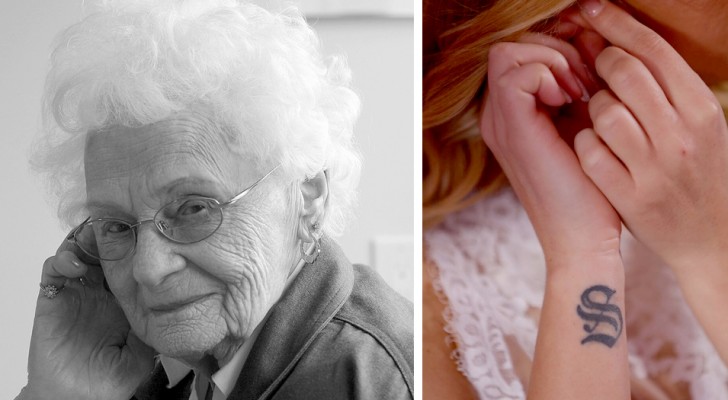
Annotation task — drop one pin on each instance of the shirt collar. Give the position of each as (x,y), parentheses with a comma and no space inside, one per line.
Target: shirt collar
(294,322)
(226,377)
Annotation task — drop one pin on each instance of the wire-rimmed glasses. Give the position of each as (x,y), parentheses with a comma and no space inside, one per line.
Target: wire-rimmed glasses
(189,219)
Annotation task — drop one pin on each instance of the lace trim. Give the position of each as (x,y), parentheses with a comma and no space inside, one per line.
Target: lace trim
(486,301)
(488,270)
(670,342)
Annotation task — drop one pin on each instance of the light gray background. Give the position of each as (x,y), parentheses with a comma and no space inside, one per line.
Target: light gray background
(380,53)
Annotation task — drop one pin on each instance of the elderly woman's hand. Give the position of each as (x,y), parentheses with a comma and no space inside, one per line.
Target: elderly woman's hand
(82,346)
(659,152)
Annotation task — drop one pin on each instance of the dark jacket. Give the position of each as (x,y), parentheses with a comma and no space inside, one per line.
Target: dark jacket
(338,332)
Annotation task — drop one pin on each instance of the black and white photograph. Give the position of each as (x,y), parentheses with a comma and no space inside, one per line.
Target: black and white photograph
(208,199)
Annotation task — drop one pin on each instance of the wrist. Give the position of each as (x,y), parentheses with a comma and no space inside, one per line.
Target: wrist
(605,258)
(578,270)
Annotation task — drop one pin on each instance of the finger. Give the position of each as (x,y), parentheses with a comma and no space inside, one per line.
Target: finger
(631,81)
(672,73)
(590,44)
(69,244)
(514,98)
(526,132)
(576,63)
(565,29)
(58,269)
(603,167)
(619,130)
(521,88)
(508,55)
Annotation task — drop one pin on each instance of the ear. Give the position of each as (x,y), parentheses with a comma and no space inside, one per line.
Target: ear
(315,194)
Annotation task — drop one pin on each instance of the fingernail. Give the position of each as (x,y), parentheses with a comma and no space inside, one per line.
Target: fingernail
(591,8)
(76,263)
(566,96)
(584,92)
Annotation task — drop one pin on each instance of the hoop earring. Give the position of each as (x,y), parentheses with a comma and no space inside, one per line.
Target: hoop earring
(310,258)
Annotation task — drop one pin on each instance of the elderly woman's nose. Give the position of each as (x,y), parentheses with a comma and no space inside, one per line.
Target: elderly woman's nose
(155,257)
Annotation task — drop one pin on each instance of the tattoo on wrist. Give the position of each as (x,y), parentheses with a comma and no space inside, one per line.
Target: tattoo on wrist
(603,320)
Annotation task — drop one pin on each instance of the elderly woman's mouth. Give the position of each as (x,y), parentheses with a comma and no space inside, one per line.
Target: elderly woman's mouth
(176,305)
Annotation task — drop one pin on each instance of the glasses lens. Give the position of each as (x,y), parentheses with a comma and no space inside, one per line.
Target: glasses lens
(189,219)
(106,239)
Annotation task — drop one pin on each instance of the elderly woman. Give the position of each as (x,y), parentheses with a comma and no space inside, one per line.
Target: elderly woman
(203,151)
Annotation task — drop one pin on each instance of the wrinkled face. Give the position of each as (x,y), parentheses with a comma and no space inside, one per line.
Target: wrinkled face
(696,28)
(186,300)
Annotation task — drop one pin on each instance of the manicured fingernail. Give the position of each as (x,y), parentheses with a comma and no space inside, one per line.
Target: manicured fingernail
(567,98)
(76,263)
(584,92)
(591,8)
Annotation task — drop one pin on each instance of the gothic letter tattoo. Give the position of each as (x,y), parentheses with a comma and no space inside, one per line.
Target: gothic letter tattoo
(603,320)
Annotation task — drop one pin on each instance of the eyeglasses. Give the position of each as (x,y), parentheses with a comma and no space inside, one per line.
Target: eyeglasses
(189,219)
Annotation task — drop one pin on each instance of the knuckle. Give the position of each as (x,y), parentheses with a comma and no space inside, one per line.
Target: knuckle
(650,42)
(609,118)
(624,71)
(593,159)
(707,111)
(600,97)
(500,51)
(558,59)
(608,55)
(502,83)
(48,263)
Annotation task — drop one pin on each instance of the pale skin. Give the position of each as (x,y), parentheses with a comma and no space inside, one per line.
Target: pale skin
(662,161)
(195,302)
(660,116)
(577,227)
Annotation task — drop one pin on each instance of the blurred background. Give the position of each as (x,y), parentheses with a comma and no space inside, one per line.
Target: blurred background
(377,37)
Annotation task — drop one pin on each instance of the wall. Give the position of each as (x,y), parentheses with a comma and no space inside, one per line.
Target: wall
(380,54)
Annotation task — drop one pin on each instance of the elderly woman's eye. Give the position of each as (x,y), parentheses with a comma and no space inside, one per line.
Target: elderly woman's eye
(111,227)
(192,207)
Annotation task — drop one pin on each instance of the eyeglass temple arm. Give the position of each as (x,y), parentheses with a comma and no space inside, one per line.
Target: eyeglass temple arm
(251,187)
(72,235)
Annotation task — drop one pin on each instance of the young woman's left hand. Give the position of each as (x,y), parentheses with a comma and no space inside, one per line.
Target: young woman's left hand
(659,147)
(659,153)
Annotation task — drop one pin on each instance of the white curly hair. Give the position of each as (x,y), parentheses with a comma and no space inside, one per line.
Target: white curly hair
(259,73)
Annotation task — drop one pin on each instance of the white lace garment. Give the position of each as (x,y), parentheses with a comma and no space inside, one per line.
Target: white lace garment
(490,267)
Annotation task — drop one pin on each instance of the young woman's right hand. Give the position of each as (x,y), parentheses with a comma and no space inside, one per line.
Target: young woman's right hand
(526,83)
(82,346)
(530,84)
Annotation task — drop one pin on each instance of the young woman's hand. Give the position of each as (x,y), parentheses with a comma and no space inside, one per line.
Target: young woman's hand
(659,147)
(529,84)
(659,152)
(82,346)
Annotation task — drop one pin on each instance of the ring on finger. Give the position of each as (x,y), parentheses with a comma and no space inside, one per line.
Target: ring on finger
(50,291)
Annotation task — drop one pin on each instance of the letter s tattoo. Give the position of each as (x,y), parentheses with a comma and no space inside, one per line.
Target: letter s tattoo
(603,320)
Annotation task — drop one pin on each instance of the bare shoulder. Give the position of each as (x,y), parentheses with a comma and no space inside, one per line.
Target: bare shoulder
(440,377)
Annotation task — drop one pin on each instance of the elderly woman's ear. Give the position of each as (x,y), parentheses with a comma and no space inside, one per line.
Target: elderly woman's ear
(315,193)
